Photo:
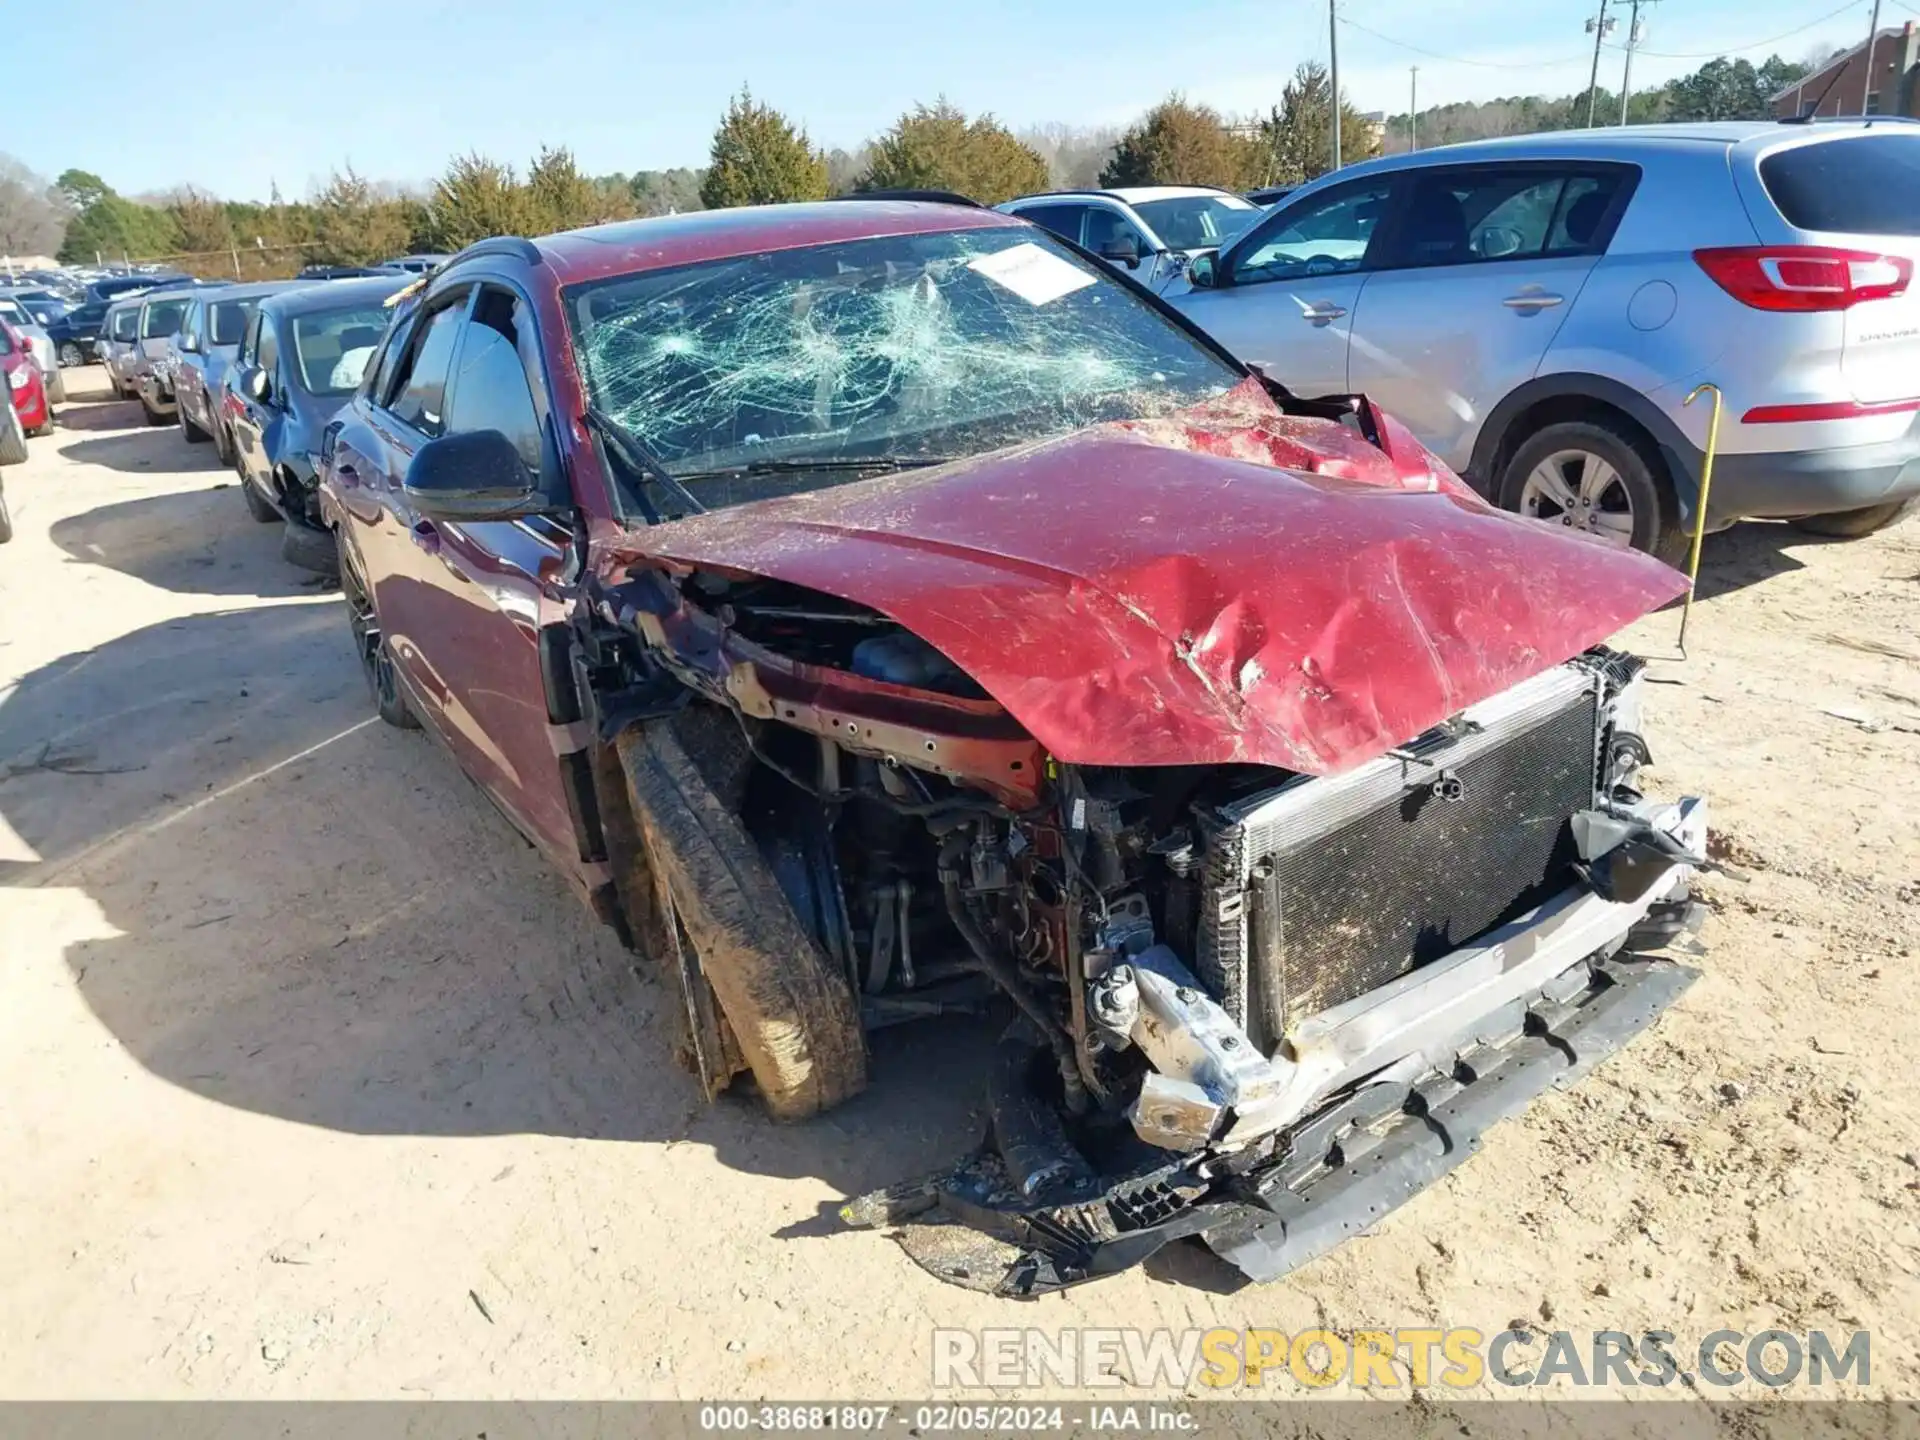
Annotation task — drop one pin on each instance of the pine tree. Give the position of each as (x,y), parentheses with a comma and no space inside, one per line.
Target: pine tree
(760,158)
(937,148)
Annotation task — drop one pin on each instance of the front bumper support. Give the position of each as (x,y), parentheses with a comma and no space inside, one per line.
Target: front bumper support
(1441,1122)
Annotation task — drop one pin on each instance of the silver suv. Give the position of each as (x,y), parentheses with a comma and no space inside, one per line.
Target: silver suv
(1536,309)
(1151,230)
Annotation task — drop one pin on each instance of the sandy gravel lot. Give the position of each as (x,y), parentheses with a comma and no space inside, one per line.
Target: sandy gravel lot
(319,1084)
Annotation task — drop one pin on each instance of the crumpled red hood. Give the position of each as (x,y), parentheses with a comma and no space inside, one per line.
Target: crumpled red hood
(1159,593)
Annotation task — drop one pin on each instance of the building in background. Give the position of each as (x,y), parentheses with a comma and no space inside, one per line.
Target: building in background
(1881,77)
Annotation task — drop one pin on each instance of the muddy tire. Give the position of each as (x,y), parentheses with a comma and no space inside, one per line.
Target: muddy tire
(6,522)
(794,1016)
(153,416)
(1852,524)
(189,431)
(56,389)
(13,444)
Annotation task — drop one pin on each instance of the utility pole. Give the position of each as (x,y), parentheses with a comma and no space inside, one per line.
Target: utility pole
(1413,111)
(1333,52)
(1873,34)
(1626,76)
(1598,29)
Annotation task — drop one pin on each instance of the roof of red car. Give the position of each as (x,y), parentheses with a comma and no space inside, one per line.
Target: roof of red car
(654,244)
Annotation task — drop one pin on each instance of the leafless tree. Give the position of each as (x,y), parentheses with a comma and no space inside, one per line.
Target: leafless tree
(32,221)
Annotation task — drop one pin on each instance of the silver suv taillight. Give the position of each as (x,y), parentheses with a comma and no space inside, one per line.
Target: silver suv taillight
(1804,277)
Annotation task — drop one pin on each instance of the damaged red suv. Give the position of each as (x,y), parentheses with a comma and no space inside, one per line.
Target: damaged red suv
(884,612)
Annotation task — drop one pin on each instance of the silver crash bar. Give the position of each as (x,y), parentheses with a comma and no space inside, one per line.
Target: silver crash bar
(1212,1071)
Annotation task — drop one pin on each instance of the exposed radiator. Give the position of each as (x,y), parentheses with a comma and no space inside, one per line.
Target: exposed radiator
(1328,887)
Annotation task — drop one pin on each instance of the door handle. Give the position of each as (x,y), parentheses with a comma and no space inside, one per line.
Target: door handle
(1536,300)
(1322,314)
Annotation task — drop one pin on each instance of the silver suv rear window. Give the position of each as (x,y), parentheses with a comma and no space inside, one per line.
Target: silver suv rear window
(1867,184)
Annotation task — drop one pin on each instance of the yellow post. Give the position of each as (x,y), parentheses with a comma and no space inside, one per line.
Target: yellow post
(1700,505)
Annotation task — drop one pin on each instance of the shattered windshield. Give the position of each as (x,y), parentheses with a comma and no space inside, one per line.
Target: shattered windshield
(897,350)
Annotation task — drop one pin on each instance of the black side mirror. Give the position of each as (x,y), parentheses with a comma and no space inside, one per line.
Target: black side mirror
(1203,273)
(478,475)
(1122,249)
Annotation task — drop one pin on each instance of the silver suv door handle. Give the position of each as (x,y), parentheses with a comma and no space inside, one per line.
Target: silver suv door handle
(1320,314)
(1535,300)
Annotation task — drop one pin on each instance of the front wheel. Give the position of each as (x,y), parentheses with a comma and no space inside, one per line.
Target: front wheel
(154,417)
(70,355)
(376,660)
(792,1012)
(1590,476)
(258,505)
(189,431)
(1852,524)
(6,521)
(56,389)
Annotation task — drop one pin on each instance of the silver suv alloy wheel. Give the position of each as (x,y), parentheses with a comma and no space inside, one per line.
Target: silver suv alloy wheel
(1580,490)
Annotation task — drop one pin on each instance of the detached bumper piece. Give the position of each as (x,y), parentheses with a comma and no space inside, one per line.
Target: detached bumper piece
(1337,1174)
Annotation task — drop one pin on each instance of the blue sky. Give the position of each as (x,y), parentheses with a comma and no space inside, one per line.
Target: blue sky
(232,97)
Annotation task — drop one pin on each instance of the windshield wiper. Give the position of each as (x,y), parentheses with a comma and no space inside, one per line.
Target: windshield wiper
(800,465)
(636,458)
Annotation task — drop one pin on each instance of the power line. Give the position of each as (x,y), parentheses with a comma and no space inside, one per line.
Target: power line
(1751,45)
(1524,64)
(1462,59)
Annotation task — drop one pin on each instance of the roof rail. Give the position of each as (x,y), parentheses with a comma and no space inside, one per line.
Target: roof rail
(517,246)
(927,197)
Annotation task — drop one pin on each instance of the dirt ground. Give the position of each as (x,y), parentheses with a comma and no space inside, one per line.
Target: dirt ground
(320,1084)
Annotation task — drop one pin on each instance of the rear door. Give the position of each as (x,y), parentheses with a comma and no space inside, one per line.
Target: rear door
(1856,193)
(490,585)
(405,412)
(1483,265)
(251,416)
(1289,291)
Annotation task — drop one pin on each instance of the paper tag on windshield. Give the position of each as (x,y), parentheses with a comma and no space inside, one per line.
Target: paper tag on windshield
(1035,274)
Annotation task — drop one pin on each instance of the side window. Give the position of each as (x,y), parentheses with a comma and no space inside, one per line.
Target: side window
(268,355)
(1328,234)
(420,391)
(379,384)
(1062,220)
(190,325)
(491,388)
(1584,207)
(250,342)
(1464,217)
(1108,229)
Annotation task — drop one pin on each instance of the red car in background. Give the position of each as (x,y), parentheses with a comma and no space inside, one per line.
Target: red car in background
(24,385)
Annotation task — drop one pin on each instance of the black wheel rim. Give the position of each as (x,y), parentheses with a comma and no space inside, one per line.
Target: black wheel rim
(375,663)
